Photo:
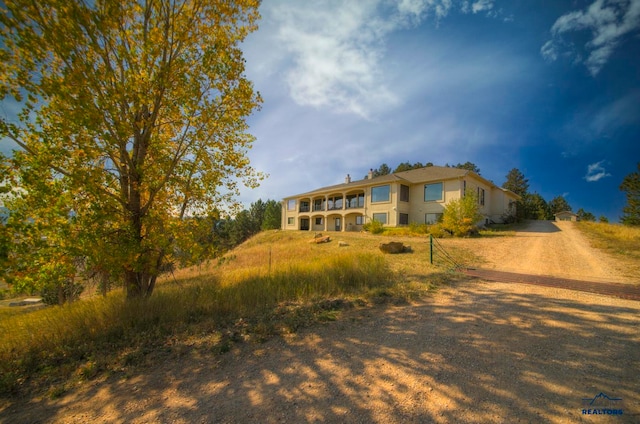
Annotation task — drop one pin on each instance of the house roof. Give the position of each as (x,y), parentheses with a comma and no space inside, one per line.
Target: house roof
(413,176)
(565,213)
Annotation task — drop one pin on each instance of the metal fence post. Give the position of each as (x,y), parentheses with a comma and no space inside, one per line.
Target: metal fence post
(431,249)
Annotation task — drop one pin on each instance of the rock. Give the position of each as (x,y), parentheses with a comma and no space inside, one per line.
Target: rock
(392,247)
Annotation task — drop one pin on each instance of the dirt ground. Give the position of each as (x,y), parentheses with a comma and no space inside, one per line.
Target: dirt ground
(474,352)
(549,248)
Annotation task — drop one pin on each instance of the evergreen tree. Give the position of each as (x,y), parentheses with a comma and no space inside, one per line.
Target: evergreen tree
(406,166)
(272,216)
(536,207)
(631,186)
(382,170)
(559,204)
(516,182)
(469,166)
(585,216)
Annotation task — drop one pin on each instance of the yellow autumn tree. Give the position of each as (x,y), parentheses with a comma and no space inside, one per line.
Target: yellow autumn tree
(133,118)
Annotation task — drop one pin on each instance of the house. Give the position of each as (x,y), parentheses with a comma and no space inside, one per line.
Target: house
(414,196)
(566,216)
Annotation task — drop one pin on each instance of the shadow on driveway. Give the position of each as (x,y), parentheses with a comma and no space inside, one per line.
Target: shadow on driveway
(476,352)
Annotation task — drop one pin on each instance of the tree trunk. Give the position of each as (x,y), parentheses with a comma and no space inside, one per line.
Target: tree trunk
(139,284)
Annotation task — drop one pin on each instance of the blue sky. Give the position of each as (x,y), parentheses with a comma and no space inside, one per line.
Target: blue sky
(549,87)
(552,90)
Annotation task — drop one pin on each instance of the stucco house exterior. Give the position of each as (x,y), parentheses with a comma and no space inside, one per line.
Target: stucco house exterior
(416,196)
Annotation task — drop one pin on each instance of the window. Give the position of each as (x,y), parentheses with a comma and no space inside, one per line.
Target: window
(433,192)
(304,206)
(359,220)
(404,193)
(464,188)
(355,201)
(481,196)
(290,221)
(318,205)
(380,194)
(380,217)
(432,218)
(318,221)
(291,205)
(404,219)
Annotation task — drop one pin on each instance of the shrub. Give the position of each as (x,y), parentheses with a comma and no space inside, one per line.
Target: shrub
(438,231)
(460,216)
(374,227)
(416,228)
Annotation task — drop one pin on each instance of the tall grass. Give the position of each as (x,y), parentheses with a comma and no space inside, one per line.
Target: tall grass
(54,342)
(621,241)
(617,238)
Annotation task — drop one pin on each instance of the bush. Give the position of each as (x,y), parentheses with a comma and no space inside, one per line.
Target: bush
(438,231)
(416,228)
(460,216)
(57,294)
(374,227)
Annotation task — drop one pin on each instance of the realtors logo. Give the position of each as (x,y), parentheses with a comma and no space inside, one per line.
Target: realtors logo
(601,404)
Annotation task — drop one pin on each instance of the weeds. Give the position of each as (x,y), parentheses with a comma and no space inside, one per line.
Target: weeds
(622,241)
(274,283)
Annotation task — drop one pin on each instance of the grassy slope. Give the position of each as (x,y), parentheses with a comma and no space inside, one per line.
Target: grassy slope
(273,283)
(623,242)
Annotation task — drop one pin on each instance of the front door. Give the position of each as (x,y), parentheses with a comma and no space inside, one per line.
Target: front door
(338,224)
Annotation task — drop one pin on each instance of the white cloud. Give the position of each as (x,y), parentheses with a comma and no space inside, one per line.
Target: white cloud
(482,5)
(336,49)
(596,172)
(609,22)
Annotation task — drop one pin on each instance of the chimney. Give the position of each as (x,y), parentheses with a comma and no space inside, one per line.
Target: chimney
(370,173)
(347,180)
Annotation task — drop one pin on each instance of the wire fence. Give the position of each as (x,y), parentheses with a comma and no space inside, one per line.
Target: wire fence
(439,253)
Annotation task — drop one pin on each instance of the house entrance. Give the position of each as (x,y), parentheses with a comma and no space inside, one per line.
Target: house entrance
(338,226)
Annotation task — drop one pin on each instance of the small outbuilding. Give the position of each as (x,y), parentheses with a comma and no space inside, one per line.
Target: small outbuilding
(566,216)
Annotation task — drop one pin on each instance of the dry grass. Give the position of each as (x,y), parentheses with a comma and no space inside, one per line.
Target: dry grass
(621,241)
(273,283)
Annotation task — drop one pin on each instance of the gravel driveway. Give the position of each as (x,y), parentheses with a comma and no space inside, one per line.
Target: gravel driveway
(474,352)
(548,248)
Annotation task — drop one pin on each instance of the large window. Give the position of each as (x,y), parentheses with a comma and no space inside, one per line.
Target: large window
(432,218)
(380,194)
(359,220)
(291,205)
(380,217)
(404,193)
(404,219)
(481,196)
(433,192)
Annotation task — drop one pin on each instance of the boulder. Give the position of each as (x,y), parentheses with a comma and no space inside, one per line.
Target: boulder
(393,247)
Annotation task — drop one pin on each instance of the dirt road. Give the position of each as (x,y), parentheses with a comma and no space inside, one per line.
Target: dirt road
(475,352)
(548,248)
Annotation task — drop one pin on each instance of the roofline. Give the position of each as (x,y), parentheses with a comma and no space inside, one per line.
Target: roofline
(366,182)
